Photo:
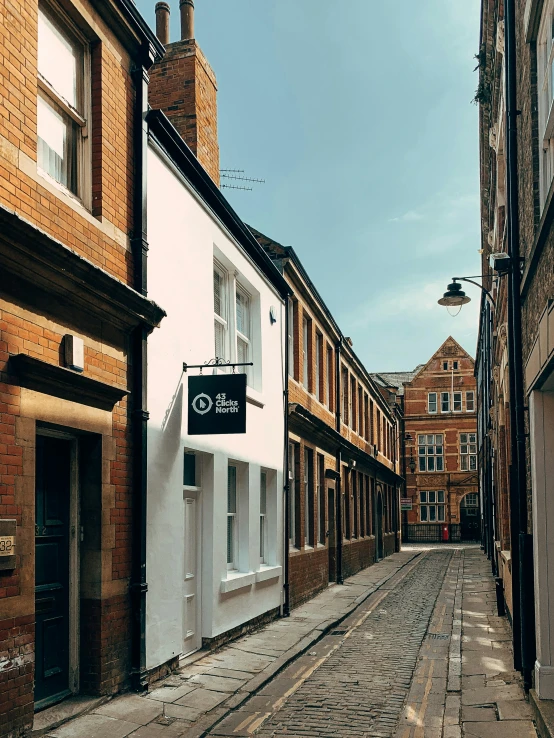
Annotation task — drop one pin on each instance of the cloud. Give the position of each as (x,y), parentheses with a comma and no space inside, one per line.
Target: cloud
(411,215)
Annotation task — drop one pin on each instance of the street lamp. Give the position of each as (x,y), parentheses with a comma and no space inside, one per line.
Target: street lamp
(456,297)
(412,463)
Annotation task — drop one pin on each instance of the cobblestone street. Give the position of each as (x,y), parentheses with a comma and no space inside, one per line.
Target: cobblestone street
(410,648)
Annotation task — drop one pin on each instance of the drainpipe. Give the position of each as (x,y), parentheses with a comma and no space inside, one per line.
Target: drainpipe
(286,480)
(338,516)
(521,541)
(139,246)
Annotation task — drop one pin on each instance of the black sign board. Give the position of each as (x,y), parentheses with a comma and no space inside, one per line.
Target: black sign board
(217,404)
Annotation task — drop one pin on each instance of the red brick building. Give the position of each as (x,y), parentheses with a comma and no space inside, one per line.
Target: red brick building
(440,447)
(343,446)
(73,325)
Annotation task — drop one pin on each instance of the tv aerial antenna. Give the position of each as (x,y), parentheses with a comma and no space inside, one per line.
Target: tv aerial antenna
(234,174)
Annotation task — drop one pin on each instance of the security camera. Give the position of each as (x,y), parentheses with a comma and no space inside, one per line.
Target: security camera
(500,262)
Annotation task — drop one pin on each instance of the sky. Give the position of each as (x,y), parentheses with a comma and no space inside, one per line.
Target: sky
(358,115)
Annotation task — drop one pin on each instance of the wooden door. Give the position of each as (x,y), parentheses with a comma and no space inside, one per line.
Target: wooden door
(53,488)
(192,635)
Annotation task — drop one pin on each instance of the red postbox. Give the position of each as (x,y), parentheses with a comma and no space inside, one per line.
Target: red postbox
(445,533)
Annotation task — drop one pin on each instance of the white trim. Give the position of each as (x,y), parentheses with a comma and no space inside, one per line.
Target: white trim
(268,572)
(237,580)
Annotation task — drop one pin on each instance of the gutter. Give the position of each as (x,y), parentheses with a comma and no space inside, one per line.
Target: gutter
(521,541)
(139,350)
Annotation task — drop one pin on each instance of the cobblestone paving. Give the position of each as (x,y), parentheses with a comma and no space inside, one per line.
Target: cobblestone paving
(359,690)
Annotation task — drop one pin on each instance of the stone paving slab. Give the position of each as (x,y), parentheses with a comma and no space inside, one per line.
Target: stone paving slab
(207,686)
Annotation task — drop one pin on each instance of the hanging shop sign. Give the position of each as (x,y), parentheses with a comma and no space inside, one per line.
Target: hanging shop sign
(217,404)
(405,503)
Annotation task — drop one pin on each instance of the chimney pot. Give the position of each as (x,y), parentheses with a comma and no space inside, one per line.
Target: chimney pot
(162,22)
(187,19)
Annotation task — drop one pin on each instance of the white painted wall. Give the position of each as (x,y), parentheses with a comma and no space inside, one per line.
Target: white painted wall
(183,237)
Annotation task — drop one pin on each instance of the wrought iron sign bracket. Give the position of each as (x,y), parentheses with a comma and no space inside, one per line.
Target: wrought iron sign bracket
(214,363)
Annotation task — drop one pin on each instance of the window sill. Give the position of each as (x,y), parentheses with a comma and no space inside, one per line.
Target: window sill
(268,572)
(254,398)
(237,580)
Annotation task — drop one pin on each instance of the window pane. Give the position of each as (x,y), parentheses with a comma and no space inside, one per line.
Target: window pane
(438,439)
(439,463)
(440,496)
(218,294)
(430,439)
(472,449)
(463,463)
(57,144)
(232,489)
(59,59)
(421,463)
(243,314)
(230,538)
(423,496)
(421,440)
(430,463)
(242,351)
(432,497)
(439,451)
(189,470)
(219,329)
(263,493)
(473,463)
(432,513)
(423,513)
(440,510)
(463,437)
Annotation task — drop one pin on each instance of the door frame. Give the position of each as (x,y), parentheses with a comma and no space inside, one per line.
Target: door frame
(195,492)
(74,558)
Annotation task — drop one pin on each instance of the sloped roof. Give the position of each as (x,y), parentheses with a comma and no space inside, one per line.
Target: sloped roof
(395,379)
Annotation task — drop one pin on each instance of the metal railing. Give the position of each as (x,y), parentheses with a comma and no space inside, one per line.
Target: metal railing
(433,533)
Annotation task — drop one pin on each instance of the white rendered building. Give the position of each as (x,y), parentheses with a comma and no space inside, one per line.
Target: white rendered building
(215,502)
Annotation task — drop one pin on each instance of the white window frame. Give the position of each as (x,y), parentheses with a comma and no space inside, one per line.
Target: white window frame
(458,401)
(427,445)
(429,403)
(263,517)
(545,90)
(468,451)
(470,400)
(328,385)
(318,359)
(305,344)
(432,506)
(222,320)
(292,495)
(66,27)
(290,308)
(239,336)
(443,396)
(232,522)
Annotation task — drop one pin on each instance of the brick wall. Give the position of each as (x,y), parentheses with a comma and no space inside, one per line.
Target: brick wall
(16,673)
(184,86)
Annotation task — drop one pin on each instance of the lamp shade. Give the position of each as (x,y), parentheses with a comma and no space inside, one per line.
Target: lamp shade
(454,296)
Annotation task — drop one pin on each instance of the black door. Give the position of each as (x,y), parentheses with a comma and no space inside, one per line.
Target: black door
(53,461)
(469,523)
(332,535)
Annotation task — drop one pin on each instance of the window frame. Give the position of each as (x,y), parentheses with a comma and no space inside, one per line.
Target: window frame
(432,412)
(319,367)
(468,454)
(320,491)
(232,516)
(263,517)
(290,311)
(292,494)
(472,408)
(426,456)
(442,397)
(222,320)
(308,509)
(545,99)
(427,504)
(460,401)
(55,100)
(239,335)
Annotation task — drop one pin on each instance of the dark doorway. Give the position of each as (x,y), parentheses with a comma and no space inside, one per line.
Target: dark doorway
(470,528)
(379,527)
(52,497)
(332,535)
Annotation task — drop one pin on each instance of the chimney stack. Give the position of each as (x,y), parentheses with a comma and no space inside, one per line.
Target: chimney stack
(183,85)
(162,22)
(187,19)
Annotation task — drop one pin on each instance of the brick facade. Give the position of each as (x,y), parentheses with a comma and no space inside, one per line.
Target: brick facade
(64,263)
(421,418)
(184,86)
(365,477)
